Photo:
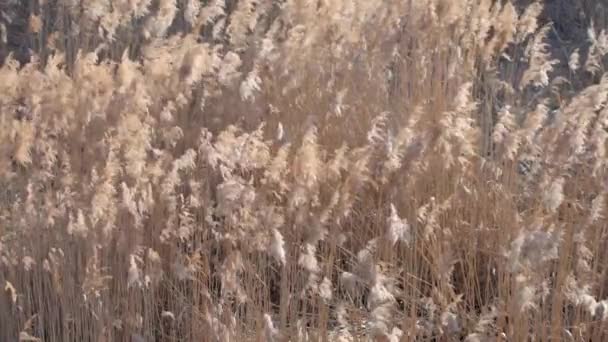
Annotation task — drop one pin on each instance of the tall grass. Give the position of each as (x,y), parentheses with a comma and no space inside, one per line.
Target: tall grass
(257,170)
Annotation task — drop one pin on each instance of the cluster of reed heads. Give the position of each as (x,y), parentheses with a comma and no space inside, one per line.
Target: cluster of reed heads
(299,170)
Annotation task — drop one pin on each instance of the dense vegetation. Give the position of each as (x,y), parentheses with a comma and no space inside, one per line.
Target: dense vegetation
(295,170)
